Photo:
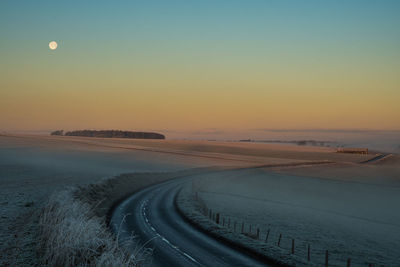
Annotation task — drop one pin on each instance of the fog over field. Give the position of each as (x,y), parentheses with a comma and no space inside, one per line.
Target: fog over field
(380,140)
(387,141)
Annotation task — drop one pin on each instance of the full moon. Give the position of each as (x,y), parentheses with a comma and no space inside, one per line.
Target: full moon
(53,45)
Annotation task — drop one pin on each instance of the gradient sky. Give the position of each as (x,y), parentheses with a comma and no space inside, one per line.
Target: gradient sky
(192,65)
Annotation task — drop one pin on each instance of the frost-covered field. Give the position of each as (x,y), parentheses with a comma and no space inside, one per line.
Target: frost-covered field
(33,167)
(350,210)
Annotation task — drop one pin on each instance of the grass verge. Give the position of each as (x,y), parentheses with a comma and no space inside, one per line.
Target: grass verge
(72,235)
(73,228)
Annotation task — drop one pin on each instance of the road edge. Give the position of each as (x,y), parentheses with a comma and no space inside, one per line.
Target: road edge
(267,253)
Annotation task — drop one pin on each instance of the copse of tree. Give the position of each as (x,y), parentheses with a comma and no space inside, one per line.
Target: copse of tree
(116,134)
(58,132)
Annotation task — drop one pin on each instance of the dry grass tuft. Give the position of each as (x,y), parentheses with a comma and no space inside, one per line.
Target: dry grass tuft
(72,235)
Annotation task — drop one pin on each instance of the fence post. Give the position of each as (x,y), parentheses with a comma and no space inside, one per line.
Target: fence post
(348,262)
(217,218)
(258,233)
(266,238)
(309,253)
(279,240)
(292,245)
(326,258)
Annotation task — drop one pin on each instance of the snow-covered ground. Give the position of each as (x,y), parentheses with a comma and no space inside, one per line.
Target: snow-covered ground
(351,210)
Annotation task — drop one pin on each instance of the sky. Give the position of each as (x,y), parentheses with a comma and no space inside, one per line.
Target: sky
(200,65)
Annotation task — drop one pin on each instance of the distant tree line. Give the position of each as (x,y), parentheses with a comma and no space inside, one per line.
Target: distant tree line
(58,132)
(111,134)
(297,142)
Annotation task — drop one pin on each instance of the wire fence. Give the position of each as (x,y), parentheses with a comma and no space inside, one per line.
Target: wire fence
(267,235)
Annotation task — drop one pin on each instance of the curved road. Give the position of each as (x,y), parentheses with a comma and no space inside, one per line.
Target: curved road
(152,216)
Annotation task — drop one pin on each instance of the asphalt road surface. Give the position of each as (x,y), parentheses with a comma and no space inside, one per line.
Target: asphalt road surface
(153,217)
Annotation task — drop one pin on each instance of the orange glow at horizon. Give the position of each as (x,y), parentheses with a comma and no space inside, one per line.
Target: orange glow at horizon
(199,66)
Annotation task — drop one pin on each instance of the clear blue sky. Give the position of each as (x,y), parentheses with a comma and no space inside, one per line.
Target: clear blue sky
(318,52)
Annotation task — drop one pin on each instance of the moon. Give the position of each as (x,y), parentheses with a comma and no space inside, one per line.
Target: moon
(53,45)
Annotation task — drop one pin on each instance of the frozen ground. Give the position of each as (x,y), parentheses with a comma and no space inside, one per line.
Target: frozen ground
(349,209)
(32,167)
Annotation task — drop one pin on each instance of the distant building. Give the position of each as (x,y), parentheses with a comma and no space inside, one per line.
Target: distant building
(352,150)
